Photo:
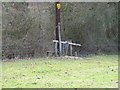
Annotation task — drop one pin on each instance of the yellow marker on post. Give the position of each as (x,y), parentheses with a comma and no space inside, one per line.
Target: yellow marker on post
(58,5)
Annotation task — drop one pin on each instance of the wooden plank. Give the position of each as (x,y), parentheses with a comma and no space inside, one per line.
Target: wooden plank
(68,43)
(75,44)
(57,41)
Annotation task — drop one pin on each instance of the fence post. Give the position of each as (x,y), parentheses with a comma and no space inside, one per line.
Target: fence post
(71,50)
(63,49)
(66,51)
(76,54)
(56,53)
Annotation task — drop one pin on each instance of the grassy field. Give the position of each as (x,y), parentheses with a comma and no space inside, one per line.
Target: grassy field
(89,72)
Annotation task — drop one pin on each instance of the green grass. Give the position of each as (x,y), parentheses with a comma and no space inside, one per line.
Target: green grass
(92,72)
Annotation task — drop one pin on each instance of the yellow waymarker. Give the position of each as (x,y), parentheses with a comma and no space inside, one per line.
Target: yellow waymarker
(58,6)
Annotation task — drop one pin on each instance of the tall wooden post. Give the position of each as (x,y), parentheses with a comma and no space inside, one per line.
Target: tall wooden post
(58,29)
(57,18)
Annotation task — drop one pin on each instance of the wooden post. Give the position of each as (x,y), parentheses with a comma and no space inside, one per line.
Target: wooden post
(66,51)
(57,7)
(56,51)
(63,51)
(71,50)
(58,29)
(75,54)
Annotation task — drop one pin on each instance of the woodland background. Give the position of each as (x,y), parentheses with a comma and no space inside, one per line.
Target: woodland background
(29,28)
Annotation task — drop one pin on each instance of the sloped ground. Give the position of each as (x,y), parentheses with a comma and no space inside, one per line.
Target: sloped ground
(95,72)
